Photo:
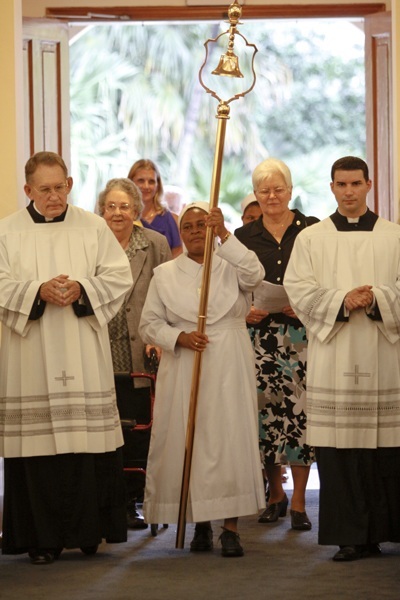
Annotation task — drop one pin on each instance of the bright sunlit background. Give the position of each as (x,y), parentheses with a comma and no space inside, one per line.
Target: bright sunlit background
(135,94)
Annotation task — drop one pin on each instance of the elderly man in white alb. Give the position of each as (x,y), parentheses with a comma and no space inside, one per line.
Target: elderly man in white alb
(63,276)
(343,283)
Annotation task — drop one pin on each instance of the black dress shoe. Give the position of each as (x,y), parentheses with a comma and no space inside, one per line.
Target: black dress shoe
(41,557)
(300,521)
(135,519)
(230,542)
(349,553)
(203,538)
(89,550)
(272,513)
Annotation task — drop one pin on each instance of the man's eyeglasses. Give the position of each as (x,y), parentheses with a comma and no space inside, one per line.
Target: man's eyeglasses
(61,188)
(279,191)
(124,208)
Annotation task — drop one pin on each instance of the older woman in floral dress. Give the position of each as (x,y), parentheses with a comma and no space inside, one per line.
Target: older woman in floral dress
(280,346)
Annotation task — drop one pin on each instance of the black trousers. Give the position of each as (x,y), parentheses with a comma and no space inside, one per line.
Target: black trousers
(359,495)
(63,501)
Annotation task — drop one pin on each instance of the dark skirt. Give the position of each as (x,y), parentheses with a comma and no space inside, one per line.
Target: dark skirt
(359,496)
(63,501)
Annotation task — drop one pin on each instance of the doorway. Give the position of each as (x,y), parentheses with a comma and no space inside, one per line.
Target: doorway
(135,93)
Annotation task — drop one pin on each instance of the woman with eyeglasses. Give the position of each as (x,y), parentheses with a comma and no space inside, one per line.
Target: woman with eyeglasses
(226,479)
(120,204)
(280,345)
(145,174)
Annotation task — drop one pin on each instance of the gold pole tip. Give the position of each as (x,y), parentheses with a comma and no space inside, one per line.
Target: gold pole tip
(234,13)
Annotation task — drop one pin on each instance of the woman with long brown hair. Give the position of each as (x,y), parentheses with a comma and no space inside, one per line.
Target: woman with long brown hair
(146,175)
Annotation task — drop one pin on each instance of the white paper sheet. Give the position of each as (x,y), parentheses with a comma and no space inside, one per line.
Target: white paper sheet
(271,297)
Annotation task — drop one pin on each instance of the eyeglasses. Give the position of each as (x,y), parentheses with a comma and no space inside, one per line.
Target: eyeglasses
(279,191)
(188,227)
(61,188)
(124,208)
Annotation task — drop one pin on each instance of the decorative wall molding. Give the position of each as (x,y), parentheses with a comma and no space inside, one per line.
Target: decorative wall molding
(188,13)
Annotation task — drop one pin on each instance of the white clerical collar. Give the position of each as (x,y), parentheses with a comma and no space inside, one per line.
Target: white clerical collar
(353,219)
(38,211)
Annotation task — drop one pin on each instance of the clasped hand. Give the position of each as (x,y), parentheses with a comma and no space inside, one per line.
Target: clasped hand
(360,297)
(60,291)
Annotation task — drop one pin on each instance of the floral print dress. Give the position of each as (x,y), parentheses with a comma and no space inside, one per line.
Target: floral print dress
(281,350)
(280,347)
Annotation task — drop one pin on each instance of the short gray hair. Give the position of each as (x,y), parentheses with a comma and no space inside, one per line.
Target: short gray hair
(271,166)
(121,184)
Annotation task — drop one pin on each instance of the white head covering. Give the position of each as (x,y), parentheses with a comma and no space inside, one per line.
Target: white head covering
(200,204)
(249,199)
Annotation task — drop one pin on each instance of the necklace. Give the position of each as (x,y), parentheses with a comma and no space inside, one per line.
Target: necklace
(276,229)
(150,215)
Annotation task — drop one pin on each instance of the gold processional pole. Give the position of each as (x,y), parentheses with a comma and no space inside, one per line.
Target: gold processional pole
(228,66)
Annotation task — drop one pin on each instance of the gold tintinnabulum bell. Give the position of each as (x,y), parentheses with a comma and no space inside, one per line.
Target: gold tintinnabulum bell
(228,65)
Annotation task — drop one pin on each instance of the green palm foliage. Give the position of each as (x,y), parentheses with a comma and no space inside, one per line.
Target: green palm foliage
(135,93)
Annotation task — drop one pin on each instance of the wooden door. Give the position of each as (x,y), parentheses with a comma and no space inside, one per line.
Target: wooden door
(379,111)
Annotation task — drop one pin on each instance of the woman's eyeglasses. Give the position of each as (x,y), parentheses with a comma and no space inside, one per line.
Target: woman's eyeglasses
(279,191)
(124,208)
